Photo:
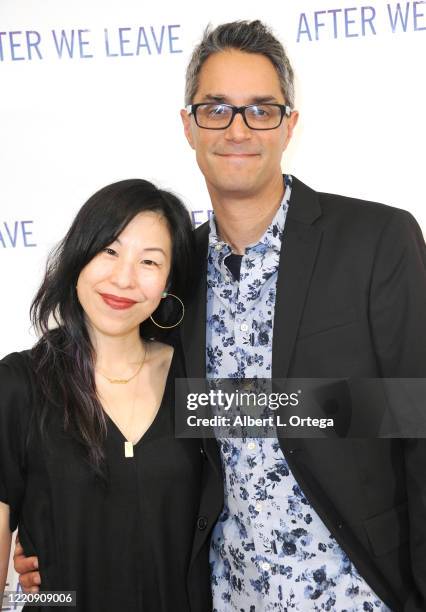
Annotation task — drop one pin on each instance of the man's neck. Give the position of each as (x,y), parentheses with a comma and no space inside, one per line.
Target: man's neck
(243,221)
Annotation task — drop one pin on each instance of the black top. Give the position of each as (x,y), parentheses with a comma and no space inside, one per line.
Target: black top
(124,546)
(233,263)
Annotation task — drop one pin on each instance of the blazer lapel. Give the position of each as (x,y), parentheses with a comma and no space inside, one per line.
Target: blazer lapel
(301,241)
(193,331)
(193,336)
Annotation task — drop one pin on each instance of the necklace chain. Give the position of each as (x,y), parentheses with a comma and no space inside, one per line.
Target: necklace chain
(128,444)
(124,381)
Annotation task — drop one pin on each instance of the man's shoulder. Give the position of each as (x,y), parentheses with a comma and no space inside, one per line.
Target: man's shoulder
(333,203)
(353,212)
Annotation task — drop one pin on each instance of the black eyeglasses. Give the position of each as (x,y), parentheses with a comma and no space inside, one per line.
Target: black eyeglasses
(214,116)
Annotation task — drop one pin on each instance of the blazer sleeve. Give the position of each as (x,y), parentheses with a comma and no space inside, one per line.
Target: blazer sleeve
(398,299)
(15,407)
(398,326)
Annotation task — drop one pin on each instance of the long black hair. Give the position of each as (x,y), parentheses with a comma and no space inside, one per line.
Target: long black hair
(63,357)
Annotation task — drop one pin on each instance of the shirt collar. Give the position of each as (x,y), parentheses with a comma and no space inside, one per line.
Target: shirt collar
(271,239)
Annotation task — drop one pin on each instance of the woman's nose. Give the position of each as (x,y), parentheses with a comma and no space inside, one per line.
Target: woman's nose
(123,274)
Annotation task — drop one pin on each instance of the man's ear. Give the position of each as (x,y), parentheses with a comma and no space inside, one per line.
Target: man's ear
(186,121)
(291,124)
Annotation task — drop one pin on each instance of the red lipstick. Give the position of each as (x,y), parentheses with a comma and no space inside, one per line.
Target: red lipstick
(116,302)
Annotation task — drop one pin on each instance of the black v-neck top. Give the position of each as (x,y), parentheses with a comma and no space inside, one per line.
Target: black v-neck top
(126,546)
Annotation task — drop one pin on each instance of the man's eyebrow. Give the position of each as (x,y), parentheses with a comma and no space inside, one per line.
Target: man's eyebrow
(265,100)
(220,98)
(223,99)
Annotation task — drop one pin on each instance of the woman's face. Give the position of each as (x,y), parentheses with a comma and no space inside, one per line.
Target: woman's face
(122,285)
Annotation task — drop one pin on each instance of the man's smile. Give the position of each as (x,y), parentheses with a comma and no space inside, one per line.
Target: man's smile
(238,156)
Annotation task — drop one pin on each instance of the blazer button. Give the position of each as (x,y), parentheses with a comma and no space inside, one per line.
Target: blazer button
(201,523)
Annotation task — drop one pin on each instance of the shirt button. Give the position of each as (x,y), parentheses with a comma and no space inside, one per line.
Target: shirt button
(251,445)
(258,506)
(265,566)
(227,278)
(244,327)
(202,523)
(218,247)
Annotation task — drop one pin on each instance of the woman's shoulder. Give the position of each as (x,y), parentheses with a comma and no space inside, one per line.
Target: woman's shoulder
(18,362)
(166,357)
(159,355)
(17,358)
(16,376)
(158,350)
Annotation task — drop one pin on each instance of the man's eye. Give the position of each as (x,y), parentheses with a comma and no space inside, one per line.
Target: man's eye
(219,110)
(258,111)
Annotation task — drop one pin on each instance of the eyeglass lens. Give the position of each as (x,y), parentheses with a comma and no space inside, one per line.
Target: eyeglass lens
(258,116)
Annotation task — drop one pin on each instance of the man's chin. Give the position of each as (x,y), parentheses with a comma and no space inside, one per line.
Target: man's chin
(241,185)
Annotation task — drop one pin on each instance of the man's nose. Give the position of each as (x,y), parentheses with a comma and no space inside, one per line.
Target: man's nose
(238,130)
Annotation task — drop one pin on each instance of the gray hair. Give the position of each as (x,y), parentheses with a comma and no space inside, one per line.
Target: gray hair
(247,36)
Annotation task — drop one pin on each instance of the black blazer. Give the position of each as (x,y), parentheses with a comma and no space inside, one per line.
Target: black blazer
(351,302)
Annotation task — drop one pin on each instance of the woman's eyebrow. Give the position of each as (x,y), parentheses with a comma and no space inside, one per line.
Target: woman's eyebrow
(154,249)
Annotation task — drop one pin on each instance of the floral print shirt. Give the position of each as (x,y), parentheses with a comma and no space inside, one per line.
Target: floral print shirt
(270,551)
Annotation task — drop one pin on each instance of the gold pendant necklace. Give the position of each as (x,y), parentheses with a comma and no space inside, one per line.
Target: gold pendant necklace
(128,444)
(128,449)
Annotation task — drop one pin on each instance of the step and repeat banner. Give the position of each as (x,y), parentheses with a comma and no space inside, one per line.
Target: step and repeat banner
(90,93)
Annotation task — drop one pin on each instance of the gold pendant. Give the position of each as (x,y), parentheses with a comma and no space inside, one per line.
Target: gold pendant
(128,449)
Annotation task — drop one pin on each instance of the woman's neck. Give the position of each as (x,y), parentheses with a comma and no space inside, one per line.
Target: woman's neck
(117,354)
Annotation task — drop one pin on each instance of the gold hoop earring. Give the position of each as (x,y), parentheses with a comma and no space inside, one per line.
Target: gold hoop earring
(165,294)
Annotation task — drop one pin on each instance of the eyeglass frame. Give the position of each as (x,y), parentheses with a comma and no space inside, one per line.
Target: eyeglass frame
(191,109)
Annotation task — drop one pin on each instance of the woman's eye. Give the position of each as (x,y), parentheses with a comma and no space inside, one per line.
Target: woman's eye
(149,262)
(109,251)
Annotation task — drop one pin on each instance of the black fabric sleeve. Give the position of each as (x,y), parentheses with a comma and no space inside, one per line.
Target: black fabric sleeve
(398,307)
(15,410)
(398,299)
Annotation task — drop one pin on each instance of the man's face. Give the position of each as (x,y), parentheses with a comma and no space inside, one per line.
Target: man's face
(238,161)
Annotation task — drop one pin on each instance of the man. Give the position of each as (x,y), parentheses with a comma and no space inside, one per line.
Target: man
(298,284)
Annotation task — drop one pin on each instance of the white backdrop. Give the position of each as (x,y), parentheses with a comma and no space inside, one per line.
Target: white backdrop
(90,92)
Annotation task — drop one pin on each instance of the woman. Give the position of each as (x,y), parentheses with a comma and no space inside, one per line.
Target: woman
(90,470)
